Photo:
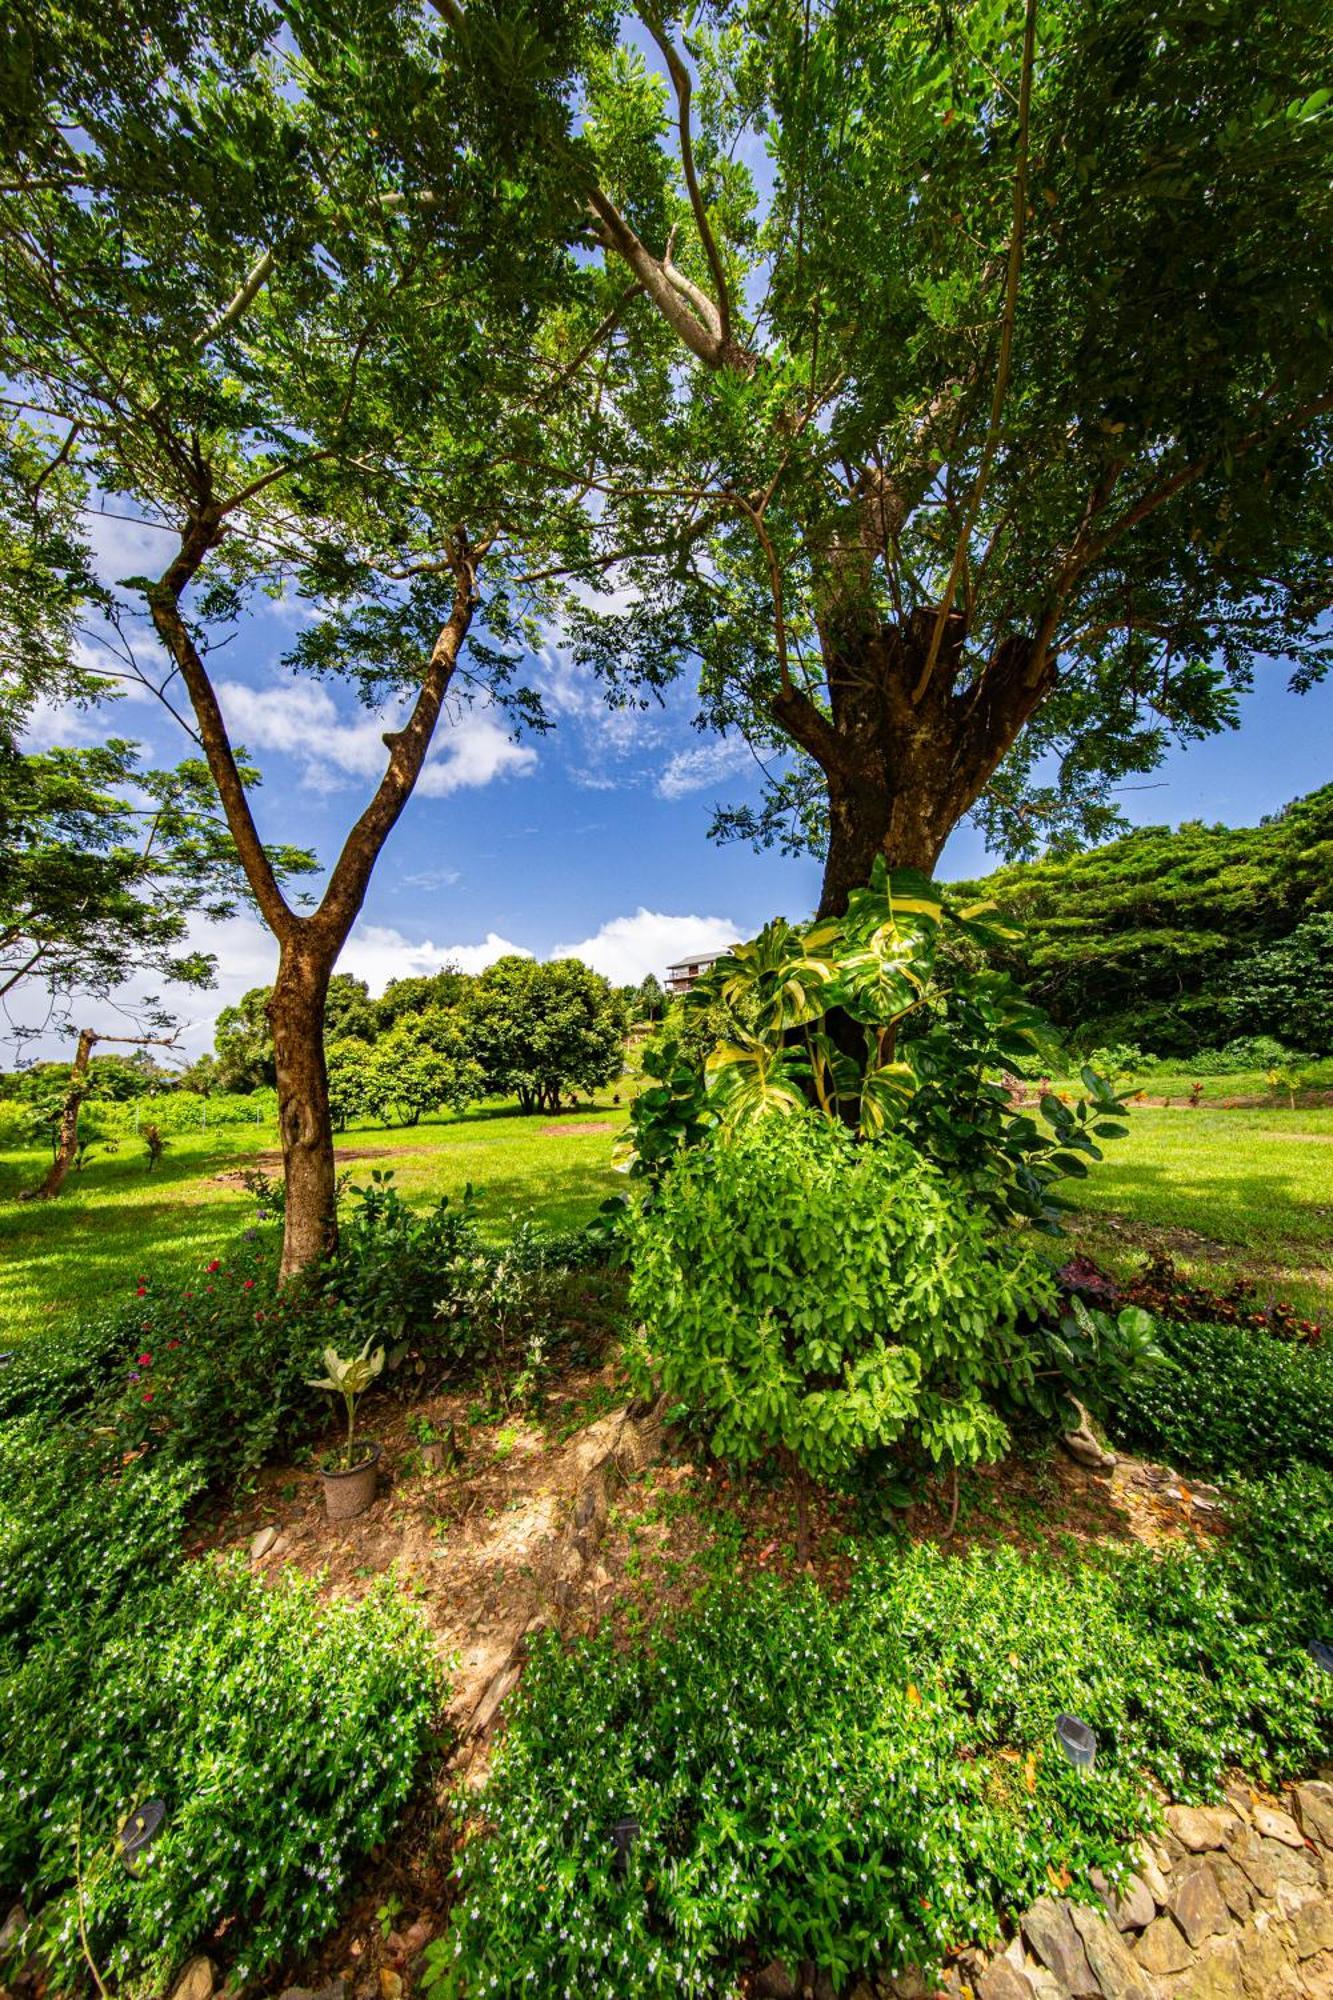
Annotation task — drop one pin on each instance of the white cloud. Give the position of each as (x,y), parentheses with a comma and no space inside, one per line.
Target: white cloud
(302,720)
(61,726)
(122,547)
(694,770)
(602,742)
(377,953)
(472,751)
(625,949)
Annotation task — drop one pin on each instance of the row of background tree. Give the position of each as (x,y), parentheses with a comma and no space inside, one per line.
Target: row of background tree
(1178,941)
(534,1031)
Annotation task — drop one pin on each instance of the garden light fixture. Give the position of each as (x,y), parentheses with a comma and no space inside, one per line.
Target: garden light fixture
(623,1836)
(139,1832)
(1077,1740)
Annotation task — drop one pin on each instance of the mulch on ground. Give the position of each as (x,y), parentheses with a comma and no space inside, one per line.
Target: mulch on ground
(479,1542)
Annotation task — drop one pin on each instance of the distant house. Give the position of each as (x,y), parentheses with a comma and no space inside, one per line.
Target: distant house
(680,978)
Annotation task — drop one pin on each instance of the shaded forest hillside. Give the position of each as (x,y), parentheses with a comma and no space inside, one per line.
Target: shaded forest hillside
(1183,939)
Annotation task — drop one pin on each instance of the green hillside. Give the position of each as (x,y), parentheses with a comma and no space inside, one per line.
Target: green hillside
(1183,939)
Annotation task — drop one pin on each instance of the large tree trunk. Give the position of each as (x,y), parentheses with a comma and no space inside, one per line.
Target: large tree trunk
(906,750)
(296,1015)
(67,1137)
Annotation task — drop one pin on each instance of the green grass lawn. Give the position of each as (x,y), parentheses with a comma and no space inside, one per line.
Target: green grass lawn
(1227,1194)
(115,1218)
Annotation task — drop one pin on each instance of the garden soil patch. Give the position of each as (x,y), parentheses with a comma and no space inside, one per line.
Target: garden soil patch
(577,1126)
(591,1517)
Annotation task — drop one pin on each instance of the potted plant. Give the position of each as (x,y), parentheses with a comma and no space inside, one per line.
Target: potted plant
(349,1473)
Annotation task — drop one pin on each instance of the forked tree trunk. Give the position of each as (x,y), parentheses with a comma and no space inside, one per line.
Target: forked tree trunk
(308,945)
(904,751)
(67,1137)
(296,1016)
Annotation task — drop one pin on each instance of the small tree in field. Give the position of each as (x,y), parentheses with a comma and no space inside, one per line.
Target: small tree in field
(540,1030)
(417,1066)
(301,301)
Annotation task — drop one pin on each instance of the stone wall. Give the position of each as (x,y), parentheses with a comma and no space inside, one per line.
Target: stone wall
(1234,1902)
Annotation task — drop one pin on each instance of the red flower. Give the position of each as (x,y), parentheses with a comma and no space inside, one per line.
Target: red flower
(145,1361)
(249,1285)
(216,1264)
(171,1344)
(148,1395)
(142,1292)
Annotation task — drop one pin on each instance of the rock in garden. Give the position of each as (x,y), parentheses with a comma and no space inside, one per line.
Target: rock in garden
(418,1936)
(1217,1976)
(1118,1976)
(1312,1927)
(196,1982)
(262,1543)
(1197,1905)
(1314,1811)
(1001,1982)
(1162,1948)
(1133,1907)
(1200,1828)
(1083,1446)
(1265,1963)
(1247,1853)
(1236,1891)
(1272,1825)
(1289,1864)
(1049,1932)
(13,1928)
(774,1982)
(1150,1874)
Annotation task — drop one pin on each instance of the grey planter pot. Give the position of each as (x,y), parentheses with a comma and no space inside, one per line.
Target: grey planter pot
(351,1492)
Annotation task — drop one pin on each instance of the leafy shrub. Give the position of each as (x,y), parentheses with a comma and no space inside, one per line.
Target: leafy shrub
(79,1531)
(1169,1294)
(670,1115)
(830,1298)
(394,1263)
(1231,1400)
(1281,1548)
(1091,1355)
(855,1782)
(214,1372)
(872,1021)
(1247,1052)
(283,1736)
(70,1365)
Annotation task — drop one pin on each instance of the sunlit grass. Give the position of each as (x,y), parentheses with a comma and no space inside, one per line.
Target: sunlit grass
(116,1218)
(1228,1194)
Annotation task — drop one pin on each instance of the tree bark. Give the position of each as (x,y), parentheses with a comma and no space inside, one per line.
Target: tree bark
(905,754)
(296,1015)
(67,1141)
(308,946)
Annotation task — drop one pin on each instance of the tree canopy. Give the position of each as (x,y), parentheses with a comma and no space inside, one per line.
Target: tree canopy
(979,445)
(538,1030)
(1180,939)
(303,300)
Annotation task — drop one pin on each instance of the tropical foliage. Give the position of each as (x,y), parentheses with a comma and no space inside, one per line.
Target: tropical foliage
(866,1021)
(864,1781)
(827,1299)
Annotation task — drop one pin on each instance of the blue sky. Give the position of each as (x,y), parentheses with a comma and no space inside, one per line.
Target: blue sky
(593,838)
